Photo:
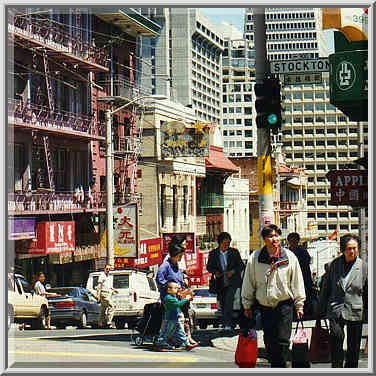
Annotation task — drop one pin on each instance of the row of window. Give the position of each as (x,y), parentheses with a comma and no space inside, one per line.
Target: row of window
(284,16)
(342,227)
(238,144)
(207,117)
(204,107)
(232,110)
(239,53)
(213,64)
(321,131)
(297,107)
(203,78)
(239,132)
(209,33)
(291,36)
(205,70)
(331,215)
(237,98)
(285,26)
(247,122)
(310,95)
(232,88)
(273,56)
(292,46)
(238,63)
(204,97)
(207,89)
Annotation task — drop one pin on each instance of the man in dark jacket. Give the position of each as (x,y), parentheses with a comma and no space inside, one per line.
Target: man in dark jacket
(226,264)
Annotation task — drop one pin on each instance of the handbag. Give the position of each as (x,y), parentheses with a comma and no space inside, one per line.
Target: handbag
(320,349)
(246,349)
(300,352)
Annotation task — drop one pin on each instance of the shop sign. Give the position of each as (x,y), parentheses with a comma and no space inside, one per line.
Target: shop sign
(195,263)
(199,280)
(21,228)
(348,187)
(54,237)
(86,253)
(150,253)
(60,258)
(179,139)
(190,241)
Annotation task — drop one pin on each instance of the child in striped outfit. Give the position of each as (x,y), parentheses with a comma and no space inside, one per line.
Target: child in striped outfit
(172,329)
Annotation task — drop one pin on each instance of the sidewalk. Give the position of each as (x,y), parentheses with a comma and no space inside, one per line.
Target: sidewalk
(229,343)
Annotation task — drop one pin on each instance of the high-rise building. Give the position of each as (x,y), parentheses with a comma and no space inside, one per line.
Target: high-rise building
(315,134)
(185,60)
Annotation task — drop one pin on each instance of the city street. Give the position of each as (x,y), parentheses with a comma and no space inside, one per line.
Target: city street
(88,348)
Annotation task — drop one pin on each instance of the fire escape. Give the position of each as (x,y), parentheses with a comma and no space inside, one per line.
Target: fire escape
(57,43)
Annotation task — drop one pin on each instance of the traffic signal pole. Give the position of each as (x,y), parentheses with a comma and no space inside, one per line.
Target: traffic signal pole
(264,161)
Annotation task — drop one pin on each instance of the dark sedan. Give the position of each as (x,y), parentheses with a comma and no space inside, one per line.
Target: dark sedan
(73,306)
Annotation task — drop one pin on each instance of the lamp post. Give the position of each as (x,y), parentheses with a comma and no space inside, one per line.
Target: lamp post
(109,167)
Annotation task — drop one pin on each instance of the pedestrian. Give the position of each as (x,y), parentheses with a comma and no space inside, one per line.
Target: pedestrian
(104,295)
(41,290)
(304,261)
(274,282)
(169,271)
(172,329)
(344,294)
(227,266)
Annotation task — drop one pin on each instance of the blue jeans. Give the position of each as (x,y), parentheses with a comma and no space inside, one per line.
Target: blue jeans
(226,299)
(171,330)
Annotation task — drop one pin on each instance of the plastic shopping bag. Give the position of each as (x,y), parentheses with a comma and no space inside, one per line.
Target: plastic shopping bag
(300,352)
(246,349)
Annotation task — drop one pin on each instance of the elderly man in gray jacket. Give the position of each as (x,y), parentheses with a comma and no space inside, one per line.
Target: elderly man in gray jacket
(344,295)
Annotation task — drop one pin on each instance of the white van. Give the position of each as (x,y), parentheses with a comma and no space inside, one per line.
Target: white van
(136,288)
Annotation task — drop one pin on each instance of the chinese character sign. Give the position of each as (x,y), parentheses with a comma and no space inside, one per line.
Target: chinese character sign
(126,231)
(54,237)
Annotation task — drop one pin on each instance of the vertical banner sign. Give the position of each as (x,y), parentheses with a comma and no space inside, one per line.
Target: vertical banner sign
(264,167)
(126,237)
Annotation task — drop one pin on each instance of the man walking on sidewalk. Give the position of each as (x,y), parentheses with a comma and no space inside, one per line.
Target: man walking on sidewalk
(273,278)
(104,295)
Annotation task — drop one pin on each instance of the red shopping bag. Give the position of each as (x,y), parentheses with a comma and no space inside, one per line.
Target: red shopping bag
(246,350)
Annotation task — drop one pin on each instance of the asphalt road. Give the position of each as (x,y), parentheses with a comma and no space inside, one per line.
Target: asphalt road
(113,349)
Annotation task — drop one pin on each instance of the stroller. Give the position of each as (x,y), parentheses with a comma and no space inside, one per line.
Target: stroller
(149,324)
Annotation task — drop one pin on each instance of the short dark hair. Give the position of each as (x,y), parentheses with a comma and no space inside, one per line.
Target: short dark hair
(222,236)
(169,283)
(174,249)
(345,239)
(293,235)
(267,230)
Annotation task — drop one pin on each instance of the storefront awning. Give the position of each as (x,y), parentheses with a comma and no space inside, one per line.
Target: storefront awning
(218,160)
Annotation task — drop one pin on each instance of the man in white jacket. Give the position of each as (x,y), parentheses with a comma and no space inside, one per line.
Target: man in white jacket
(273,280)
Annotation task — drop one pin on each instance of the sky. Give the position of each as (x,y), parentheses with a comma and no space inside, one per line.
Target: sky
(234,16)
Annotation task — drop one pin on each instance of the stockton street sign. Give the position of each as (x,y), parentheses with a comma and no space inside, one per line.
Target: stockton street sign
(348,187)
(300,66)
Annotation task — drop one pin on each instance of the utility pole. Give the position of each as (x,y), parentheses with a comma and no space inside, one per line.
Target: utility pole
(264,162)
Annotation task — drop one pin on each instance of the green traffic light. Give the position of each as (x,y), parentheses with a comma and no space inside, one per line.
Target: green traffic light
(272,119)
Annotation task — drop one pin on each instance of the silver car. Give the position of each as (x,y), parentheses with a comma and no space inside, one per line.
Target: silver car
(204,306)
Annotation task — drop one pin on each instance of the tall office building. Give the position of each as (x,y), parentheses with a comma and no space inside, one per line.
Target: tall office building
(185,61)
(315,134)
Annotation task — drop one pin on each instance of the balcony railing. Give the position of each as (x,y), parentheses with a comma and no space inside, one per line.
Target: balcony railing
(211,200)
(33,115)
(123,87)
(57,37)
(54,202)
(287,208)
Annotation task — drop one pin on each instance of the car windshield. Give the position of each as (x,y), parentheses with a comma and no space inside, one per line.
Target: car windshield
(65,291)
(121,281)
(204,293)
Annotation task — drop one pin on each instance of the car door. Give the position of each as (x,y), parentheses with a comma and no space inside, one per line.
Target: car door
(87,303)
(31,305)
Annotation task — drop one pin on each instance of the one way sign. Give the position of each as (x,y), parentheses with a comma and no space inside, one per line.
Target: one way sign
(300,66)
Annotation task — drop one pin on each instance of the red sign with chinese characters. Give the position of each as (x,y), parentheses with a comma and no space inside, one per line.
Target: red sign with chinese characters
(195,263)
(348,187)
(150,253)
(199,280)
(190,241)
(53,237)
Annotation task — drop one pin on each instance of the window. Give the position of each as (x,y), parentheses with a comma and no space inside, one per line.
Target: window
(248,144)
(121,281)
(163,204)
(247,133)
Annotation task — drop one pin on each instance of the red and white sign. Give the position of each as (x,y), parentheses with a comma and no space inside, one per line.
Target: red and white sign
(150,253)
(348,187)
(53,237)
(190,241)
(195,263)
(199,280)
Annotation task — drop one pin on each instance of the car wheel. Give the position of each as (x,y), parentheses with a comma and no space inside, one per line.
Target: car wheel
(203,325)
(10,316)
(119,323)
(83,320)
(40,322)
(138,341)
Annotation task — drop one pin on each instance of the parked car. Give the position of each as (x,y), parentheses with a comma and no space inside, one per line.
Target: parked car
(24,306)
(73,306)
(135,290)
(204,306)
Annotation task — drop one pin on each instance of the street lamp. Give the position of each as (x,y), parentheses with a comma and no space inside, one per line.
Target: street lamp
(109,167)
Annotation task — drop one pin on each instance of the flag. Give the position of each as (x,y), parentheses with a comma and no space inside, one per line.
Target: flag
(334,235)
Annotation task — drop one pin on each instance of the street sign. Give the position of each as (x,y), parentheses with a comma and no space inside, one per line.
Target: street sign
(300,66)
(348,187)
(305,78)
